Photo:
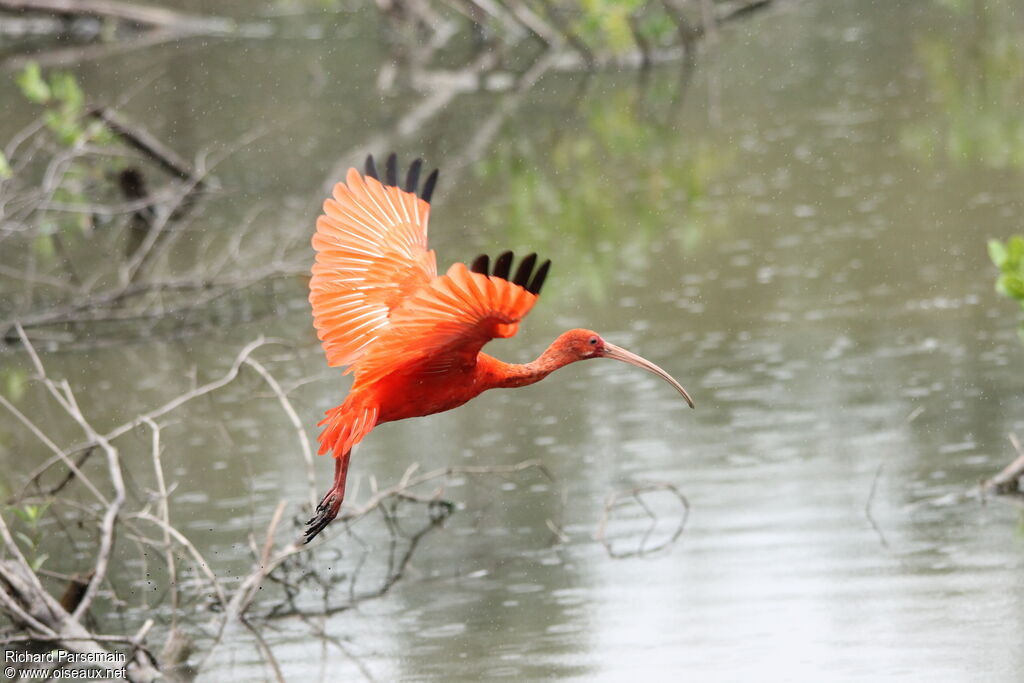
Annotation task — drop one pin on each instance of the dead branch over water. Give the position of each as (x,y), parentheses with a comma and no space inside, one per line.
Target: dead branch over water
(1010,480)
(39,618)
(85,289)
(639,495)
(134,13)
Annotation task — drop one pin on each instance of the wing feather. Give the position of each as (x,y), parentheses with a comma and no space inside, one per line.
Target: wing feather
(371,244)
(446,323)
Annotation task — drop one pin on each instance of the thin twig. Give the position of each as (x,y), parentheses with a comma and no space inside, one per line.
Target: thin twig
(635,493)
(1008,479)
(293,417)
(66,399)
(914,414)
(132,13)
(165,514)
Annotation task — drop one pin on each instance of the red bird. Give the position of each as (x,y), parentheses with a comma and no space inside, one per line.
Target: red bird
(413,337)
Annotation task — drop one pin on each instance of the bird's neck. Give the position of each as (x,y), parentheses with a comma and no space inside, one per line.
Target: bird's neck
(499,374)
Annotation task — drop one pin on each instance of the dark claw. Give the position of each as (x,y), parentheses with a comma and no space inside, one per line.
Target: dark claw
(326,511)
(371,168)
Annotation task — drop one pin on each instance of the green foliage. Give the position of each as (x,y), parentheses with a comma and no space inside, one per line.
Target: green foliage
(84,178)
(658,26)
(31,536)
(1009,258)
(14,381)
(610,24)
(608,20)
(65,119)
(32,85)
(63,100)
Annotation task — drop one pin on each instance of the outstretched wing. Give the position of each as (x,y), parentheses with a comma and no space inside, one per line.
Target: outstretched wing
(445,324)
(371,254)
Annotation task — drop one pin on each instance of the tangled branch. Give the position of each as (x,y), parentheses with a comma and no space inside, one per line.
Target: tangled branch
(635,495)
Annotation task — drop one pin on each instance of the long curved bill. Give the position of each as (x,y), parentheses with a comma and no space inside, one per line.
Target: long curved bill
(618,353)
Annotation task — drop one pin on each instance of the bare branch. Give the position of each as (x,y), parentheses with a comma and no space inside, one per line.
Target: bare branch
(197,556)
(65,398)
(140,139)
(165,515)
(1008,481)
(293,417)
(636,493)
(104,9)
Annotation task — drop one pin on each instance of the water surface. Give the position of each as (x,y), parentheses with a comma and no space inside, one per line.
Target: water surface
(797,233)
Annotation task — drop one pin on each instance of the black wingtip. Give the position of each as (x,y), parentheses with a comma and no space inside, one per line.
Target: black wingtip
(428,187)
(481,264)
(530,280)
(524,270)
(538,278)
(391,170)
(412,178)
(503,265)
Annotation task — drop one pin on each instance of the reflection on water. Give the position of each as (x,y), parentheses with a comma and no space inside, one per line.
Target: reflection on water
(977,84)
(795,267)
(643,171)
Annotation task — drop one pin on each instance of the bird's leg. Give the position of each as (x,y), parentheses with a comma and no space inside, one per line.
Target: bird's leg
(328,508)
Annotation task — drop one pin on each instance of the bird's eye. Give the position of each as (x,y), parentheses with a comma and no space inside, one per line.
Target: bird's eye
(592,341)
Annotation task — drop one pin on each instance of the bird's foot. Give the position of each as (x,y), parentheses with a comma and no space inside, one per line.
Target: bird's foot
(326,511)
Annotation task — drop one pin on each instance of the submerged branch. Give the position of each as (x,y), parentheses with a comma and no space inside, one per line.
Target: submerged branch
(1010,478)
(869,502)
(140,139)
(636,494)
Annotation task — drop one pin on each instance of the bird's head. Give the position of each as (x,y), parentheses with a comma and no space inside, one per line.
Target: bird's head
(583,344)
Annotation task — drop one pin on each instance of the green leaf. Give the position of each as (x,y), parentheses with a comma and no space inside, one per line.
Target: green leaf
(37,561)
(1015,252)
(997,252)
(32,85)
(1013,285)
(5,168)
(64,126)
(66,91)
(15,381)
(44,247)
(30,512)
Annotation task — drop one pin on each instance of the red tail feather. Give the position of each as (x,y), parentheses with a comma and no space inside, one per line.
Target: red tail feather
(346,426)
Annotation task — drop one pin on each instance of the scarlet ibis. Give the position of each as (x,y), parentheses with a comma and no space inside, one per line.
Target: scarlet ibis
(411,336)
